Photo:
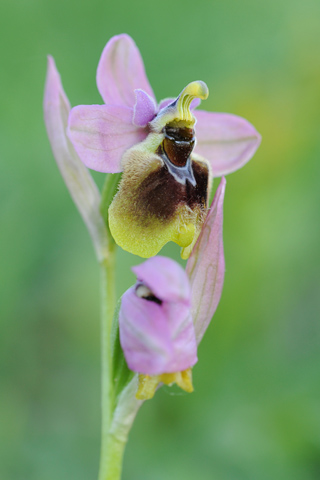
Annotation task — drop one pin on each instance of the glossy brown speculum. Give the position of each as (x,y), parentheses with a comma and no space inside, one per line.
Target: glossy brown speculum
(178,144)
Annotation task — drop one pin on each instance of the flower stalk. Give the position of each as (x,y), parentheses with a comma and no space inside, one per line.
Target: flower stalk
(108,302)
(115,428)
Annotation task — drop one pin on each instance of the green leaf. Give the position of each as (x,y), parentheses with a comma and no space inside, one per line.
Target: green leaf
(120,372)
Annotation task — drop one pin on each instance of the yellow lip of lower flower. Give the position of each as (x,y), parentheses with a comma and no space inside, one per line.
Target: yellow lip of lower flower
(148,384)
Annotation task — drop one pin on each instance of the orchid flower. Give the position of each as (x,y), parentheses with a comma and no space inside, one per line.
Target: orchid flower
(168,152)
(165,315)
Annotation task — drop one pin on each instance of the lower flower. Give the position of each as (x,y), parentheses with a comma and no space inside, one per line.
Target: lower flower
(156,330)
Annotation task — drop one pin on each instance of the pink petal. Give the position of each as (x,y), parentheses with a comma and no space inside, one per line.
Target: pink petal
(165,278)
(101,134)
(195,103)
(121,71)
(78,180)
(144,109)
(226,141)
(206,266)
(165,102)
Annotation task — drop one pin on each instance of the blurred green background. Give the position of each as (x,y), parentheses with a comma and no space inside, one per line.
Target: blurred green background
(255,412)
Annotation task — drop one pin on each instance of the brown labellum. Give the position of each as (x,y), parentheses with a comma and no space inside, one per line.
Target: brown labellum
(178,144)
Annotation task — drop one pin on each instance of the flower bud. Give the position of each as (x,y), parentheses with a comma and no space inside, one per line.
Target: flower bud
(156,329)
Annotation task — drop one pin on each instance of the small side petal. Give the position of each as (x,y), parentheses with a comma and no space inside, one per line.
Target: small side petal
(226,141)
(101,134)
(165,277)
(121,71)
(206,266)
(144,109)
(76,176)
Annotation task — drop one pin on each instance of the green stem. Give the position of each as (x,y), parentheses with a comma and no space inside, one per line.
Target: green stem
(111,447)
(119,408)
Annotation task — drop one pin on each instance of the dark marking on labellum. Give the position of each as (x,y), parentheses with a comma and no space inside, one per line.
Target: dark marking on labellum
(160,194)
